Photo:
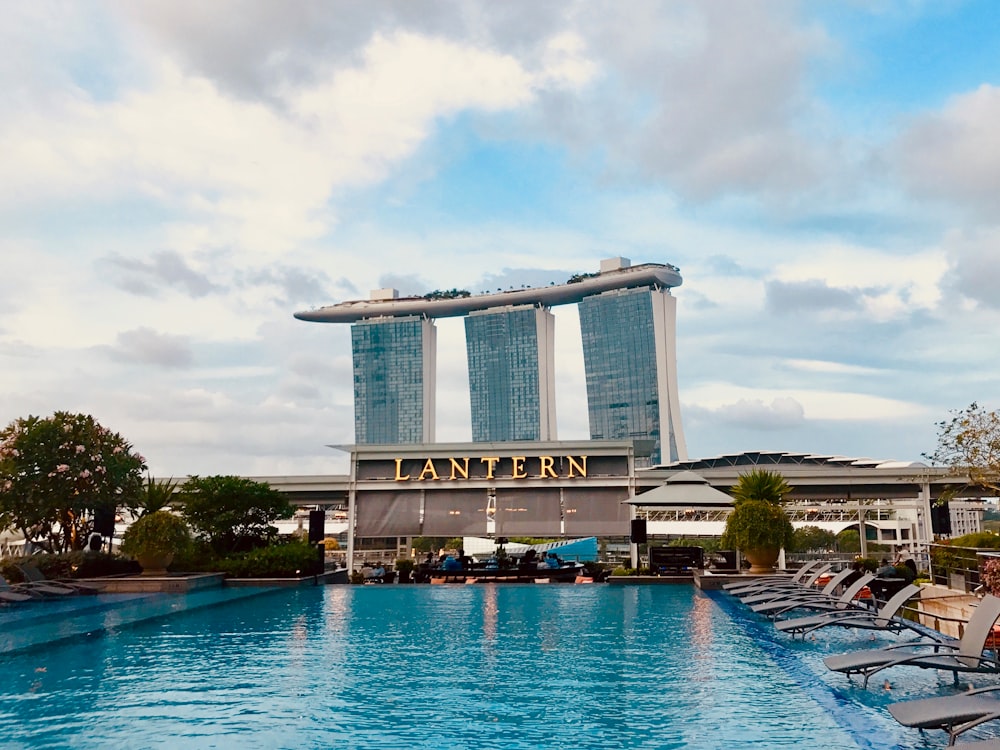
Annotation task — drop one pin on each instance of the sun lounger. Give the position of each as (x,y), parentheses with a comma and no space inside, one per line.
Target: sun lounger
(954,714)
(32,574)
(35,590)
(763,600)
(773,592)
(965,655)
(884,618)
(798,576)
(826,603)
(9,596)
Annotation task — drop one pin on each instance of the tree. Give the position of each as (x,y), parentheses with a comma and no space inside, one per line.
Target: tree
(969,444)
(233,514)
(56,472)
(810,538)
(760,484)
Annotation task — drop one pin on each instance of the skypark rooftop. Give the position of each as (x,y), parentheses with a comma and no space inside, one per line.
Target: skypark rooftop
(660,275)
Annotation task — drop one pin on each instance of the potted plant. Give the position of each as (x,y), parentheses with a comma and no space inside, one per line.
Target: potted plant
(758,526)
(154,539)
(404,568)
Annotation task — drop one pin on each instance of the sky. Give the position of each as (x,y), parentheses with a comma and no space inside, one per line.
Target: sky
(179,177)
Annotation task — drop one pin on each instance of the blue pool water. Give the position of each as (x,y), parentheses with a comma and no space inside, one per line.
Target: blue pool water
(482,666)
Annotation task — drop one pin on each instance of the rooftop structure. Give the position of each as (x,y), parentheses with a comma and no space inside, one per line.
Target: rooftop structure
(627,318)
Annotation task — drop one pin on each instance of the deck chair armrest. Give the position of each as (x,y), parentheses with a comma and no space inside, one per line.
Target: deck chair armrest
(959,729)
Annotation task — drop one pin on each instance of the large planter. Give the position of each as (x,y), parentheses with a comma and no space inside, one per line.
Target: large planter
(762,560)
(154,564)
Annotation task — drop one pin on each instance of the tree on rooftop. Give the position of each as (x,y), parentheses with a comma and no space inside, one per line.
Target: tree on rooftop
(969,444)
(56,472)
(233,514)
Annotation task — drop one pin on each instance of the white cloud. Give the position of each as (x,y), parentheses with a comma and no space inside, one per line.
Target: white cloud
(816,404)
(832,368)
(954,153)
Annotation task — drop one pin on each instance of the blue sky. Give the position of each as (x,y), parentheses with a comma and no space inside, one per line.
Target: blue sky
(180,177)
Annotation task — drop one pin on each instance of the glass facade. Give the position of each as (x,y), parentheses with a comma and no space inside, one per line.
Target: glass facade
(620,358)
(508,360)
(393,370)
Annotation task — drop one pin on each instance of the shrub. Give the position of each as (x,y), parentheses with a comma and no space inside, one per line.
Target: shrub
(158,533)
(757,524)
(290,560)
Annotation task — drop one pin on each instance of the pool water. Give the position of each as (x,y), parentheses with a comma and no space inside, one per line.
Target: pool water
(484,666)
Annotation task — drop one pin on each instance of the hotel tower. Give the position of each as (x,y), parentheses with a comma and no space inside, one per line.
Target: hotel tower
(627,324)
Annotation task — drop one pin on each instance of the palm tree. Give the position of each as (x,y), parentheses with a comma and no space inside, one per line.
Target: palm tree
(760,484)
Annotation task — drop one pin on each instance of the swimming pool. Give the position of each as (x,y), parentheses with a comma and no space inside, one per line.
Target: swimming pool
(507,666)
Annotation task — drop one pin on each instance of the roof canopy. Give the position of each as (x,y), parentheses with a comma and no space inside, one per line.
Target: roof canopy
(685,489)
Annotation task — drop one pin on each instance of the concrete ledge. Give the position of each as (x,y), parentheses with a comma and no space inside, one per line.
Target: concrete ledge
(180,583)
(323,579)
(648,580)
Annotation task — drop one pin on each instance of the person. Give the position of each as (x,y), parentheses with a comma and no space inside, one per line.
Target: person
(451,564)
(905,558)
(886,570)
(553,561)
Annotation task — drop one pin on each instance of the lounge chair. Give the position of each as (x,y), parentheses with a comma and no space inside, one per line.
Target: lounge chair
(798,576)
(965,655)
(33,574)
(774,592)
(825,603)
(954,714)
(10,595)
(760,602)
(884,618)
(35,590)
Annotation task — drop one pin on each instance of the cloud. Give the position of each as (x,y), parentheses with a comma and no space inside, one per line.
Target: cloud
(974,260)
(148,347)
(780,414)
(954,154)
(165,270)
(796,296)
(832,368)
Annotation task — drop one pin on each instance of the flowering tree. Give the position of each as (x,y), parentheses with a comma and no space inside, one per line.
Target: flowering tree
(56,472)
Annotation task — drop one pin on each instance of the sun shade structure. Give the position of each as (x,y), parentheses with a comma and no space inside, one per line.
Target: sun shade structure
(686,489)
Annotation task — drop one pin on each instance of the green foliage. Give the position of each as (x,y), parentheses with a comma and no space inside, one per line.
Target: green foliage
(969,443)
(292,560)
(576,278)
(809,538)
(428,543)
(530,540)
(448,294)
(849,540)
(868,564)
(760,485)
(959,554)
(233,514)
(156,495)
(157,533)
(757,524)
(404,565)
(55,472)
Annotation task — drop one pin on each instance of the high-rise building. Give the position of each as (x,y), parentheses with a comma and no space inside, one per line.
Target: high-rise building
(628,323)
(394,380)
(630,366)
(511,355)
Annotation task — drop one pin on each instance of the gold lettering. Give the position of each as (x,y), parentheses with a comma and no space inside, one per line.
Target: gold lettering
(491,462)
(546,469)
(517,470)
(457,469)
(580,467)
(399,466)
(428,469)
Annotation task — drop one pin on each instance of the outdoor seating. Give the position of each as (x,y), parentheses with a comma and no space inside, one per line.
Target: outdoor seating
(965,655)
(828,603)
(784,588)
(798,578)
(799,592)
(955,714)
(35,590)
(884,618)
(33,574)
